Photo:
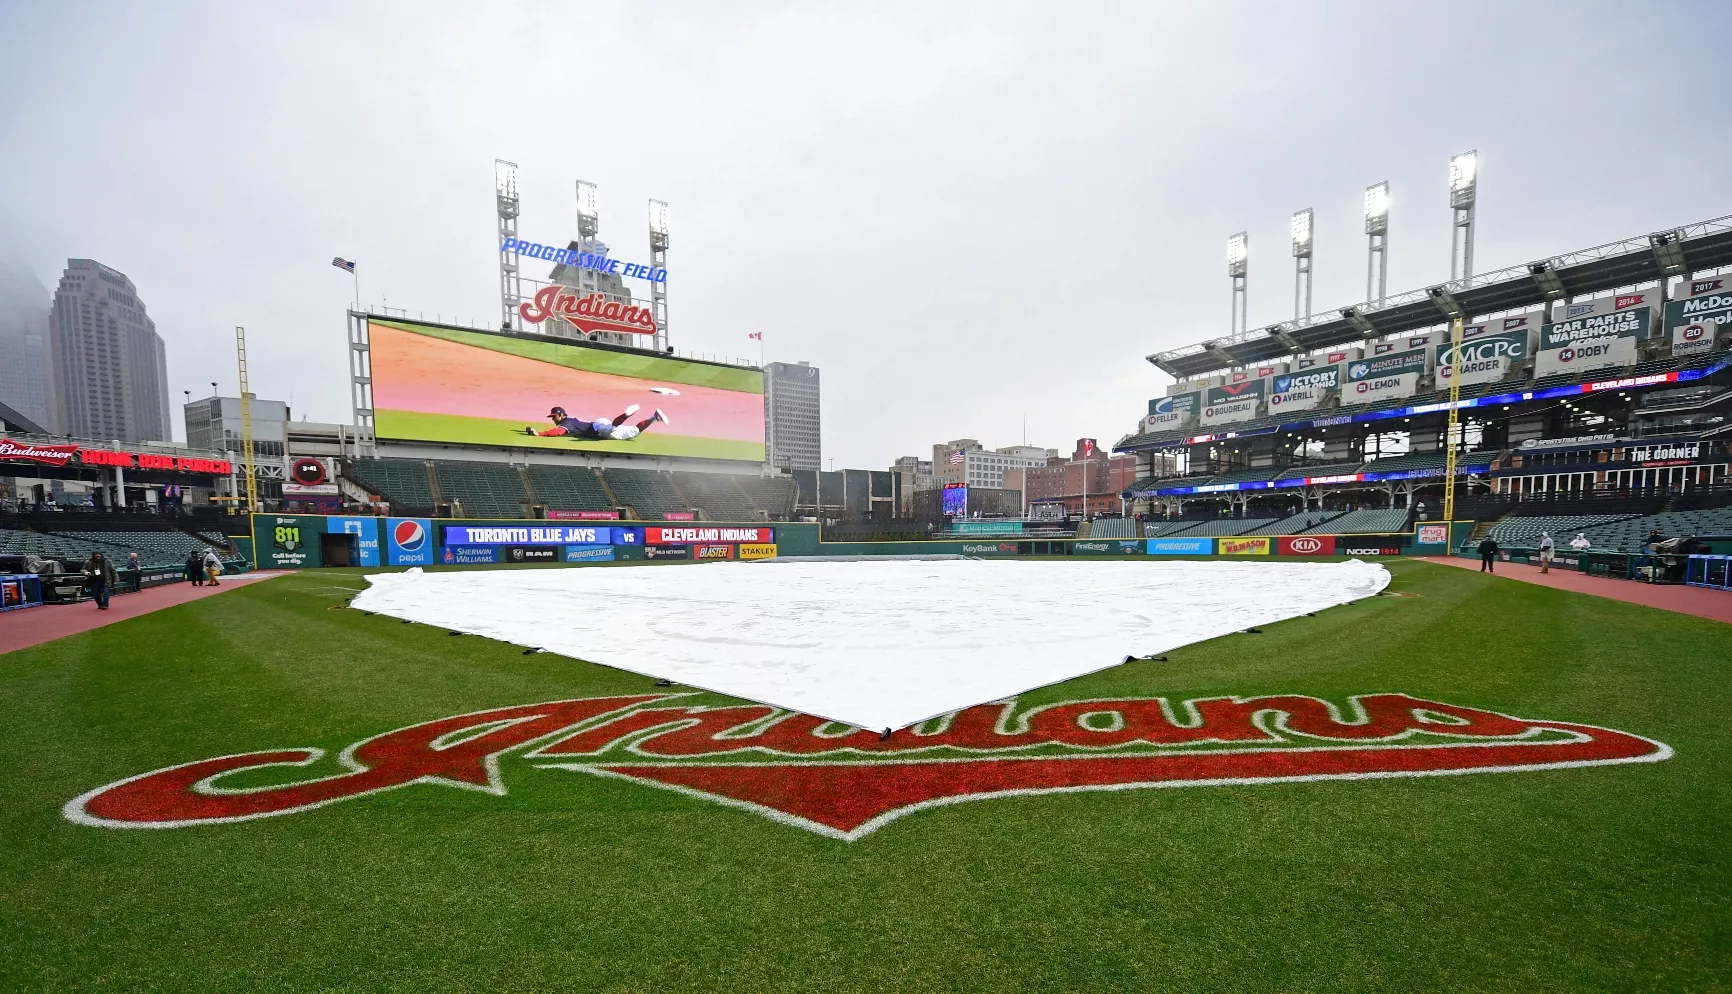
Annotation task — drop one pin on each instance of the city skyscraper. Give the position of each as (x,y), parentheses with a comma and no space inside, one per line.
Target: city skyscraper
(791,437)
(110,368)
(25,381)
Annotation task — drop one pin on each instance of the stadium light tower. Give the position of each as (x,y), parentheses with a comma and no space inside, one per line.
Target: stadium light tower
(588,214)
(1238,251)
(658,240)
(1302,262)
(510,284)
(1377,241)
(1463,189)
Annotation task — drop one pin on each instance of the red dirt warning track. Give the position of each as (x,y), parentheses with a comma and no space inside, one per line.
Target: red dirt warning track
(36,625)
(1715,605)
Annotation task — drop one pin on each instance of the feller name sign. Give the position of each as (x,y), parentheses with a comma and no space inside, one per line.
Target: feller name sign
(843,782)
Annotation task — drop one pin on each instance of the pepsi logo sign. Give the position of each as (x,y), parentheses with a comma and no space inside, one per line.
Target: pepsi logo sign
(410,536)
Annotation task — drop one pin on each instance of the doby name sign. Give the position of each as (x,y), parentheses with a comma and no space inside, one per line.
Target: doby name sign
(845,782)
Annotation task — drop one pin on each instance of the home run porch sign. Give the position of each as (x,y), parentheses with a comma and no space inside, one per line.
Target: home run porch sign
(844,782)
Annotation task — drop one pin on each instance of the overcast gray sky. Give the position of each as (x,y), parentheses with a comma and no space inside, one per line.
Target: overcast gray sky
(965,215)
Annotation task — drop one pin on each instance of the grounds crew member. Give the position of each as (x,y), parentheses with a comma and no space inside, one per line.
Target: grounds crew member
(213,566)
(1548,548)
(1580,543)
(1487,554)
(99,572)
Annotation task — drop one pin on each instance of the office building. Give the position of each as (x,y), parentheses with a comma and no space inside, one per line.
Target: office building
(25,377)
(110,370)
(791,428)
(965,460)
(215,423)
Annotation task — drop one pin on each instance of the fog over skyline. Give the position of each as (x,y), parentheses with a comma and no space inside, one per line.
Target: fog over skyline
(966,215)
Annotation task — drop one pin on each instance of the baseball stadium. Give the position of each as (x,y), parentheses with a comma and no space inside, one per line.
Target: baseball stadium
(1395,661)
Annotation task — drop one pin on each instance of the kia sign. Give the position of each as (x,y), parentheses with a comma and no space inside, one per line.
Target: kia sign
(1305,545)
(408,542)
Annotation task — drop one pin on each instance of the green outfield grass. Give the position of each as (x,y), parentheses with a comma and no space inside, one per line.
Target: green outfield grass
(466,430)
(1612,878)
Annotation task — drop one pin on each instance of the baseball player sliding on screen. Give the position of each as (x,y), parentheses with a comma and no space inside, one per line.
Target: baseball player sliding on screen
(616,430)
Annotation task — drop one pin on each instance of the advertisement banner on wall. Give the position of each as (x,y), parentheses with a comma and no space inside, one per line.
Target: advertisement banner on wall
(1304,390)
(589,553)
(366,532)
(1181,546)
(539,535)
(1484,358)
(667,552)
(530,554)
(582,515)
(408,542)
(1431,534)
(712,551)
(289,541)
(686,534)
(468,555)
(757,551)
(1232,402)
(1592,341)
(1694,322)
(1385,377)
(1176,411)
(1236,545)
(1305,545)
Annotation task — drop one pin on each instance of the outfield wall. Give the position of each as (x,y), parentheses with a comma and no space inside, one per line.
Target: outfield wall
(299,541)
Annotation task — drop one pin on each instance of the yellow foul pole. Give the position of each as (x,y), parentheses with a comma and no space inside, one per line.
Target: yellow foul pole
(246,422)
(1453,424)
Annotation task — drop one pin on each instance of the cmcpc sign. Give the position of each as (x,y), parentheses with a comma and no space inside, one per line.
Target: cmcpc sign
(1484,359)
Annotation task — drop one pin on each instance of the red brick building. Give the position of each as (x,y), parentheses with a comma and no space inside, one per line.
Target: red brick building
(1063,478)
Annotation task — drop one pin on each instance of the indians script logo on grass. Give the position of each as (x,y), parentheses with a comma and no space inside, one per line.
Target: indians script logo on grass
(843,782)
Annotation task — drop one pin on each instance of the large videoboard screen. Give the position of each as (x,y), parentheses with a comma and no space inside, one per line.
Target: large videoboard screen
(437,384)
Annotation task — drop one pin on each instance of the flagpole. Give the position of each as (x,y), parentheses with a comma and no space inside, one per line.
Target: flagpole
(356,273)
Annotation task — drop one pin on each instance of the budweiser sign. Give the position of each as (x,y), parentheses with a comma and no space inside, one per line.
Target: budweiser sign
(52,455)
(589,312)
(844,782)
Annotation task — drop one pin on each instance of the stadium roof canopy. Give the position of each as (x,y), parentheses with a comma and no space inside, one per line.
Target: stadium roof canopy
(1644,259)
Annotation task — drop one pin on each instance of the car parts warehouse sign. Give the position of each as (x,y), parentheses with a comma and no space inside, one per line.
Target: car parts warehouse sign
(1594,335)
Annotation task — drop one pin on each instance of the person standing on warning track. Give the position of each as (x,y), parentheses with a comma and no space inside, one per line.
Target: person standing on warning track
(616,430)
(1548,548)
(1488,554)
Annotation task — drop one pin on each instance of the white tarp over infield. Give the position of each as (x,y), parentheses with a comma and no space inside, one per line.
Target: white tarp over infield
(873,644)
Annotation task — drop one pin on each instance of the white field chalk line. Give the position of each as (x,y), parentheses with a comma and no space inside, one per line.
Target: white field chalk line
(873,644)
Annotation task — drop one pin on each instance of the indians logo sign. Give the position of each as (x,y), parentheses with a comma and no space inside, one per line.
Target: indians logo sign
(588,313)
(844,782)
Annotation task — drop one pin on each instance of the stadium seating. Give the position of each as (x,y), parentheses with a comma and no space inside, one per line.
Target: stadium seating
(74,549)
(1427,460)
(1113,528)
(401,481)
(1628,534)
(1317,521)
(646,492)
(485,490)
(569,488)
(774,495)
(1524,530)
(1162,529)
(720,498)
(1376,521)
(1230,526)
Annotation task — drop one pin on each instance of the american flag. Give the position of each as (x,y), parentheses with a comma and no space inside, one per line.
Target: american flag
(958,457)
(343,264)
(756,334)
